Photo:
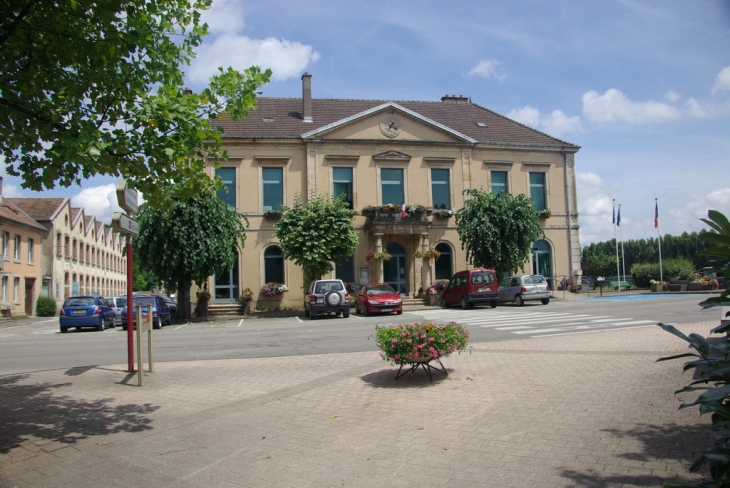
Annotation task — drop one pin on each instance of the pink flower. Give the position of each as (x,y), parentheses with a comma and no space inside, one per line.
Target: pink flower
(431,339)
(396,357)
(409,341)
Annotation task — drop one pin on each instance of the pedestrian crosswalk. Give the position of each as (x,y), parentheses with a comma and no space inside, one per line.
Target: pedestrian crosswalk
(534,324)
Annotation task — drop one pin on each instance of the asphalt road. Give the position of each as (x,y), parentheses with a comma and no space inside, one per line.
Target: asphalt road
(36,344)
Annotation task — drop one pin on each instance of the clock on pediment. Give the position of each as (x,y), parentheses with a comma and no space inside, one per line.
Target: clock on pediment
(390,126)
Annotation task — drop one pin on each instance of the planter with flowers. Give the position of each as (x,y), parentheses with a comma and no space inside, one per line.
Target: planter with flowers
(428,255)
(272,289)
(272,214)
(373,256)
(442,213)
(201,307)
(246,298)
(414,345)
(544,214)
(435,291)
(657,285)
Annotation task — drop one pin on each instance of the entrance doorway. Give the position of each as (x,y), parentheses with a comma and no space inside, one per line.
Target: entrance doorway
(226,284)
(394,271)
(541,261)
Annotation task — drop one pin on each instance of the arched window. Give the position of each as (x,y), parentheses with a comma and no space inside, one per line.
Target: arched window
(67,247)
(75,250)
(445,263)
(273,265)
(59,244)
(542,261)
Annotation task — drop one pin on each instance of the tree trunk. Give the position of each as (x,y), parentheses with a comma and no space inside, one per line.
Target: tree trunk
(183,299)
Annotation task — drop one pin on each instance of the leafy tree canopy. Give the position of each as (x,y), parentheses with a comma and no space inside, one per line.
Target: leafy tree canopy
(93,87)
(719,238)
(190,241)
(317,233)
(599,264)
(497,230)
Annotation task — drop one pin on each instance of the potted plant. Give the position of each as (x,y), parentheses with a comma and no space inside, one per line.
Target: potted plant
(201,307)
(428,255)
(273,289)
(657,285)
(420,342)
(246,298)
(272,214)
(435,291)
(442,213)
(377,256)
(544,214)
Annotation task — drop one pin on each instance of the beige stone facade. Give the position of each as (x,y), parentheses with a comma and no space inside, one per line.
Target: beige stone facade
(383,152)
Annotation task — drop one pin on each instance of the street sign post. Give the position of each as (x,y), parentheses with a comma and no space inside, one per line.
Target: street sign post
(127,197)
(125,224)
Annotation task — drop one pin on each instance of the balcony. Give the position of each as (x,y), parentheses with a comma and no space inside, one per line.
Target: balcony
(389,220)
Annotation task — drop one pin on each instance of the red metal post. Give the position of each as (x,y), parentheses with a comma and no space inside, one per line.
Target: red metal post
(130,324)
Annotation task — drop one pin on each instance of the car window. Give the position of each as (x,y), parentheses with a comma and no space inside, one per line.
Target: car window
(121,302)
(143,301)
(538,279)
(328,286)
(504,283)
(380,290)
(80,302)
(515,282)
(527,280)
(481,277)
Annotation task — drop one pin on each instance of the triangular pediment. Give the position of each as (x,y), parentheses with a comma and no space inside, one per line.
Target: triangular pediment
(392,156)
(378,123)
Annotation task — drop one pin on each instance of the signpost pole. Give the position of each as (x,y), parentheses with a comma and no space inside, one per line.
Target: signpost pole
(130,323)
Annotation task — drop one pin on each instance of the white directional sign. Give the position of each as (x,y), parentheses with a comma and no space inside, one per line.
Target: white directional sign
(127,197)
(124,224)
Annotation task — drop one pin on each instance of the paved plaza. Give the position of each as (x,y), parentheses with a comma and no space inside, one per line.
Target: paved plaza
(584,410)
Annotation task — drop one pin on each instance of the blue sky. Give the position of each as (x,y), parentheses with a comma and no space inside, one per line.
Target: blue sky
(642,86)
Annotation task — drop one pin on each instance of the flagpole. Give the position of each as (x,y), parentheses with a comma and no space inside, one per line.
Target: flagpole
(659,238)
(623,258)
(615,239)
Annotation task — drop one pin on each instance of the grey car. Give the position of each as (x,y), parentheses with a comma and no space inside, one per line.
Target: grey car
(325,296)
(519,289)
(118,303)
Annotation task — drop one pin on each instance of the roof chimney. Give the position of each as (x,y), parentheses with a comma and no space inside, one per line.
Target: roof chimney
(455,99)
(307,97)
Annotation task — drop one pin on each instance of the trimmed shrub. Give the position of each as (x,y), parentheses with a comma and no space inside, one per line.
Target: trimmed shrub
(45,306)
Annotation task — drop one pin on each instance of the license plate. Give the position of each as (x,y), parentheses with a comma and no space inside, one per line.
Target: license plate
(320,300)
(484,289)
(79,312)
(386,309)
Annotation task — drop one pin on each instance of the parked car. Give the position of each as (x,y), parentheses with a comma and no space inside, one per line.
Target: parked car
(86,311)
(118,303)
(171,303)
(377,298)
(160,312)
(326,296)
(519,289)
(469,287)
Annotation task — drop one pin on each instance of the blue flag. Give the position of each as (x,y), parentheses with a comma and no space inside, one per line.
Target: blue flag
(618,219)
(613,217)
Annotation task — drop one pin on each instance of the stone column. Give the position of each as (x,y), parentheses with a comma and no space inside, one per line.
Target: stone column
(377,273)
(417,265)
(427,271)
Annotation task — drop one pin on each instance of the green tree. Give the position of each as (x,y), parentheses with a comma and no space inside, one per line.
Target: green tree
(718,237)
(144,279)
(317,233)
(95,87)
(497,230)
(599,264)
(189,242)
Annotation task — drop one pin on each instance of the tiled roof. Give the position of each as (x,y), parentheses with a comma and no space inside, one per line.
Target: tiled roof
(9,211)
(282,118)
(40,209)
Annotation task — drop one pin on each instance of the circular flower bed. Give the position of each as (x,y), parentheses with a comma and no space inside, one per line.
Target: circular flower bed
(410,343)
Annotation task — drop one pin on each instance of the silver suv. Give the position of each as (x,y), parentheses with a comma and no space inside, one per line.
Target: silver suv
(325,296)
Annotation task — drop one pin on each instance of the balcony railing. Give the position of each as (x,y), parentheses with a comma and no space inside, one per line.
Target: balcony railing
(379,215)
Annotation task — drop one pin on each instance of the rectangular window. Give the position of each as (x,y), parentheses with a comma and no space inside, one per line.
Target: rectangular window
(391,182)
(5,288)
(342,184)
(537,191)
(6,244)
(345,269)
(16,251)
(440,188)
(499,182)
(31,244)
(273,179)
(228,192)
(16,289)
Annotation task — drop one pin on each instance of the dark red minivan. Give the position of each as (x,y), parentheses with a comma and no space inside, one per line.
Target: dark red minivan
(470,287)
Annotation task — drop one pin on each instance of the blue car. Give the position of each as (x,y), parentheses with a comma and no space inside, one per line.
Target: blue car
(161,314)
(87,311)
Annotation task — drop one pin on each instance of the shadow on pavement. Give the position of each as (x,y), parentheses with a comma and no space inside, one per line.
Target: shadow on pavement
(418,379)
(37,412)
(684,442)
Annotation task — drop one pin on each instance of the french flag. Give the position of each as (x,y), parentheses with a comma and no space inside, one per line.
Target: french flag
(403,210)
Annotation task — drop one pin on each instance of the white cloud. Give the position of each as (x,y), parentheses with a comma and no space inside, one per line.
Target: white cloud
(672,96)
(594,206)
(286,58)
(722,81)
(614,106)
(555,124)
(224,16)
(694,109)
(490,68)
(100,201)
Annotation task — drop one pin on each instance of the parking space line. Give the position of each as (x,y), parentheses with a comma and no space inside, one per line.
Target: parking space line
(356,317)
(300,320)
(183,325)
(240,323)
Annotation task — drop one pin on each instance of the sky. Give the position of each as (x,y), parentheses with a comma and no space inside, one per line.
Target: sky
(642,86)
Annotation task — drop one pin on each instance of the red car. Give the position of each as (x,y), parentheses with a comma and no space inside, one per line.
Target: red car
(378,297)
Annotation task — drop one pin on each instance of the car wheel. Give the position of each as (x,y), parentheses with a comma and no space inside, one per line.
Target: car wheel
(157,325)
(519,301)
(64,330)
(399,312)
(99,327)
(312,315)
(444,303)
(357,310)
(367,312)
(545,301)
(306,312)
(464,304)
(346,313)
(493,304)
